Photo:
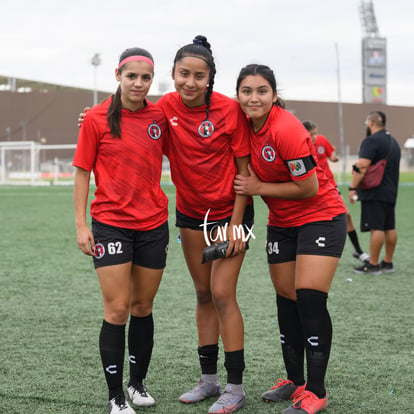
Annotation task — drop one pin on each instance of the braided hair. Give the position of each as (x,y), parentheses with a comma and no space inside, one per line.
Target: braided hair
(200,48)
(114,111)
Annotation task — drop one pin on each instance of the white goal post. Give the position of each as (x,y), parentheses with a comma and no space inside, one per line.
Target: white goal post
(34,163)
(30,162)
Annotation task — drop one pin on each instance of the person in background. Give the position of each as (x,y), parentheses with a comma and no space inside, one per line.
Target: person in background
(326,151)
(305,236)
(378,204)
(121,140)
(208,146)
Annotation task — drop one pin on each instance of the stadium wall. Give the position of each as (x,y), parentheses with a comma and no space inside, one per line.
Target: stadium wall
(50,117)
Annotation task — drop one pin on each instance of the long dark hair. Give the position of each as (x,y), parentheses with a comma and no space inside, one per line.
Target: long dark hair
(200,48)
(114,111)
(264,71)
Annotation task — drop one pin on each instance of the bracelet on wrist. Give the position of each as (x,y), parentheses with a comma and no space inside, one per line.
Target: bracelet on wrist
(351,188)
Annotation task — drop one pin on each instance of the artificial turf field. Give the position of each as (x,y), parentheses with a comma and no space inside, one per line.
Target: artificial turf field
(51,313)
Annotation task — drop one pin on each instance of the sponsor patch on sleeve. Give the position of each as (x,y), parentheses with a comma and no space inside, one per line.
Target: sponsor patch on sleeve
(300,166)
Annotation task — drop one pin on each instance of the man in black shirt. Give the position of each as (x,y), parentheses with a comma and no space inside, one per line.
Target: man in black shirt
(378,204)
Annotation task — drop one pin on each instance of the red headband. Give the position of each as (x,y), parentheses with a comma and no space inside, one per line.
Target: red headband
(136,58)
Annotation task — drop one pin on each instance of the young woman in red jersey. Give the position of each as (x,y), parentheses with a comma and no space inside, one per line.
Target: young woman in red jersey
(208,146)
(305,237)
(121,141)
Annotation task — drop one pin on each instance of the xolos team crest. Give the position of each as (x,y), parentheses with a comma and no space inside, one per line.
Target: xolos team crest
(268,153)
(99,250)
(206,129)
(154,131)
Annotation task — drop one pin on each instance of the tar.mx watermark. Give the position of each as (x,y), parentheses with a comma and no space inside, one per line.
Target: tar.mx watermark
(219,233)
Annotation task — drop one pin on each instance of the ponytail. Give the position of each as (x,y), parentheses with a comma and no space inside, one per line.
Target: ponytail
(113,115)
(280,102)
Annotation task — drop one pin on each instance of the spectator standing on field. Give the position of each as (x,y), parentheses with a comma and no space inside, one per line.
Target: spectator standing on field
(378,204)
(326,151)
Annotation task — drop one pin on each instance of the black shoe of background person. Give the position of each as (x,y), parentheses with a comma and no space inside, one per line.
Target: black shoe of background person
(387,267)
(368,269)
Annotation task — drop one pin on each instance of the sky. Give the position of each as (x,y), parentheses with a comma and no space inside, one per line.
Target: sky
(314,47)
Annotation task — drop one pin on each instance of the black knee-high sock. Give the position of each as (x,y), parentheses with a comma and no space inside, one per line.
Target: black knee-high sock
(291,338)
(140,344)
(354,240)
(112,349)
(208,356)
(317,328)
(234,364)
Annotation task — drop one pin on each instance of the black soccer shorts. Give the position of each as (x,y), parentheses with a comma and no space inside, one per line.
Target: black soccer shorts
(115,245)
(321,238)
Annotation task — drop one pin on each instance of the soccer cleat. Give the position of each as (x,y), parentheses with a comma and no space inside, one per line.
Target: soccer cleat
(229,402)
(368,269)
(139,396)
(307,403)
(118,405)
(387,267)
(284,390)
(363,256)
(200,392)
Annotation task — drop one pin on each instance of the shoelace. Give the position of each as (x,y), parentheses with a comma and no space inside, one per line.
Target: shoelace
(200,386)
(140,389)
(304,400)
(120,401)
(280,383)
(226,399)
(196,388)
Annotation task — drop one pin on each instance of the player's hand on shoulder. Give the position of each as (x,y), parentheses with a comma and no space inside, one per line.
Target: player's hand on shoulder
(82,115)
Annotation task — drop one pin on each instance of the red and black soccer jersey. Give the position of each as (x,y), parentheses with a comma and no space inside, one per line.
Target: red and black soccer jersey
(324,150)
(127,169)
(201,153)
(283,151)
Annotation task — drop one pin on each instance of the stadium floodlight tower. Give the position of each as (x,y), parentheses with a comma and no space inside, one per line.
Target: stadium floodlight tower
(96,61)
(374,61)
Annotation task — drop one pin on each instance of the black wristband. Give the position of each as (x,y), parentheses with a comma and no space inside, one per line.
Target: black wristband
(351,188)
